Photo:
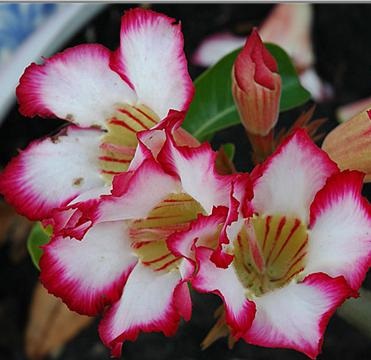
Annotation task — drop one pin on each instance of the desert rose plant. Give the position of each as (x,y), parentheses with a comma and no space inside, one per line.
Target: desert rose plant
(140,210)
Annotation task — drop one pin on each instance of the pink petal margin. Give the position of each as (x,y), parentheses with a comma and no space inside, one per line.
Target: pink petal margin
(340,223)
(157,70)
(240,311)
(183,243)
(165,321)
(239,208)
(76,84)
(289,179)
(55,281)
(265,333)
(35,182)
(67,264)
(195,168)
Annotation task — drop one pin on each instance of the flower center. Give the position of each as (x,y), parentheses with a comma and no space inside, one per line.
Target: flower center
(269,252)
(149,235)
(119,143)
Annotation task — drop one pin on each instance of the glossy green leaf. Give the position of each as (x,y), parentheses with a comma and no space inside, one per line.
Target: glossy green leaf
(293,93)
(213,108)
(38,236)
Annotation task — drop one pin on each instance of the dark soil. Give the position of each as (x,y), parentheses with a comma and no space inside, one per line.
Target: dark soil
(341,36)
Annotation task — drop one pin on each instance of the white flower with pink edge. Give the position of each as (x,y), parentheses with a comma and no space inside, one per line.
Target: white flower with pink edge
(305,249)
(108,97)
(124,260)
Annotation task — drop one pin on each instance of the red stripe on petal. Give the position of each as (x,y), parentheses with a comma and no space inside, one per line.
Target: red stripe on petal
(134,118)
(280,226)
(292,232)
(145,115)
(123,124)
(111,159)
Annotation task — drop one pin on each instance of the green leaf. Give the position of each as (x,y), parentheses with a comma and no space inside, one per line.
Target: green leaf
(229,150)
(38,236)
(213,108)
(293,93)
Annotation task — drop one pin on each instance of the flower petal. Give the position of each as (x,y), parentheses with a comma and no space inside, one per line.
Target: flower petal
(76,84)
(51,172)
(151,58)
(295,316)
(349,144)
(289,26)
(195,168)
(90,273)
(204,231)
(136,193)
(151,141)
(74,220)
(340,235)
(224,282)
(238,210)
(287,182)
(147,304)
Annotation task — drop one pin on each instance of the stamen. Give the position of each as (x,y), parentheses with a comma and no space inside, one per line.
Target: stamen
(118,145)
(269,252)
(149,235)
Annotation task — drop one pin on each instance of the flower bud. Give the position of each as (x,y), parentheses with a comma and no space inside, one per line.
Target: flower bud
(256,86)
(349,144)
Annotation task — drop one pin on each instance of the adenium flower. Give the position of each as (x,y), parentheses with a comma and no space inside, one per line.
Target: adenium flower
(123,260)
(305,249)
(256,86)
(108,97)
(349,144)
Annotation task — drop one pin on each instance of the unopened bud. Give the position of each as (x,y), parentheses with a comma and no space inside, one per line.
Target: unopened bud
(256,86)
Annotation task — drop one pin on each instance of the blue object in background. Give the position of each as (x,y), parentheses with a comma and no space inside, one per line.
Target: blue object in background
(18,21)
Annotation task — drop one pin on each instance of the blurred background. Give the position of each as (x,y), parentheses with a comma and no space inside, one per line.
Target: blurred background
(35,325)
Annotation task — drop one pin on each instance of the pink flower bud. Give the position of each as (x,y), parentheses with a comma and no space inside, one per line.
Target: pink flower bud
(256,86)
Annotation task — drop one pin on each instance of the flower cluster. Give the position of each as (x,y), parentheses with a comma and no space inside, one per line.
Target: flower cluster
(139,210)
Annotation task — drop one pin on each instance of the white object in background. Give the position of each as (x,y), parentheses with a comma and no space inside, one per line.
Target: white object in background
(347,111)
(45,41)
(18,21)
(216,46)
(319,89)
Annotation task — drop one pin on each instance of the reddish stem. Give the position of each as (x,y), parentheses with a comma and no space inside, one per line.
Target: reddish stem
(262,146)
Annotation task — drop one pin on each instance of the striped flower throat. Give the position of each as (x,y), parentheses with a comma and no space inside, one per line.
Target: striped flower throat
(120,141)
(149,235)
(269,252)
